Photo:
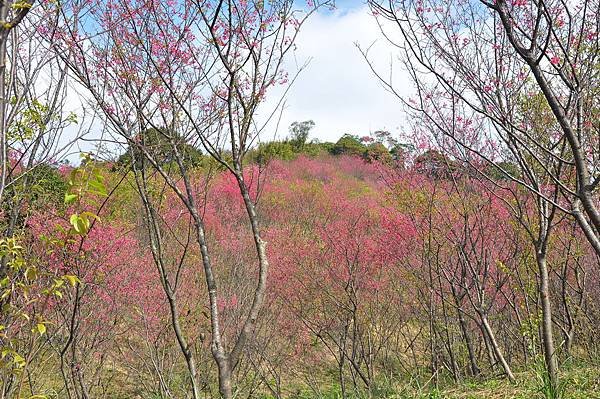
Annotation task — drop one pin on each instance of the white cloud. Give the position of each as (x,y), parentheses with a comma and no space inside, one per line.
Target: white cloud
(338,89)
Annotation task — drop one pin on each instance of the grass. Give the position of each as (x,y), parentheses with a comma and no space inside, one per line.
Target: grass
(576,382)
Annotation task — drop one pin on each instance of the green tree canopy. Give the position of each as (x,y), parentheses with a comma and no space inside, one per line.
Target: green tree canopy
(348,145)
(299,132)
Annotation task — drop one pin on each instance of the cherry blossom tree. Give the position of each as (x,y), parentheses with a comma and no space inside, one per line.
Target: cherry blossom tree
(200,69)
(475,63)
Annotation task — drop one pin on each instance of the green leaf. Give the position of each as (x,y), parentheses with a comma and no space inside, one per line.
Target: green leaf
(19,360)
(80,223)
(73,280)
(72,118)
(70,198)
(87,216)
(97,187)
(41,328)
(73,220)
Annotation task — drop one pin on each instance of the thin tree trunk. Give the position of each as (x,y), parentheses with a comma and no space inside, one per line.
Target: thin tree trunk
(496,348)
(463,327)
(547,335)
(3,100)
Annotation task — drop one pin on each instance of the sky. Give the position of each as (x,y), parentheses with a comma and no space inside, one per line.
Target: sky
(338,90)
